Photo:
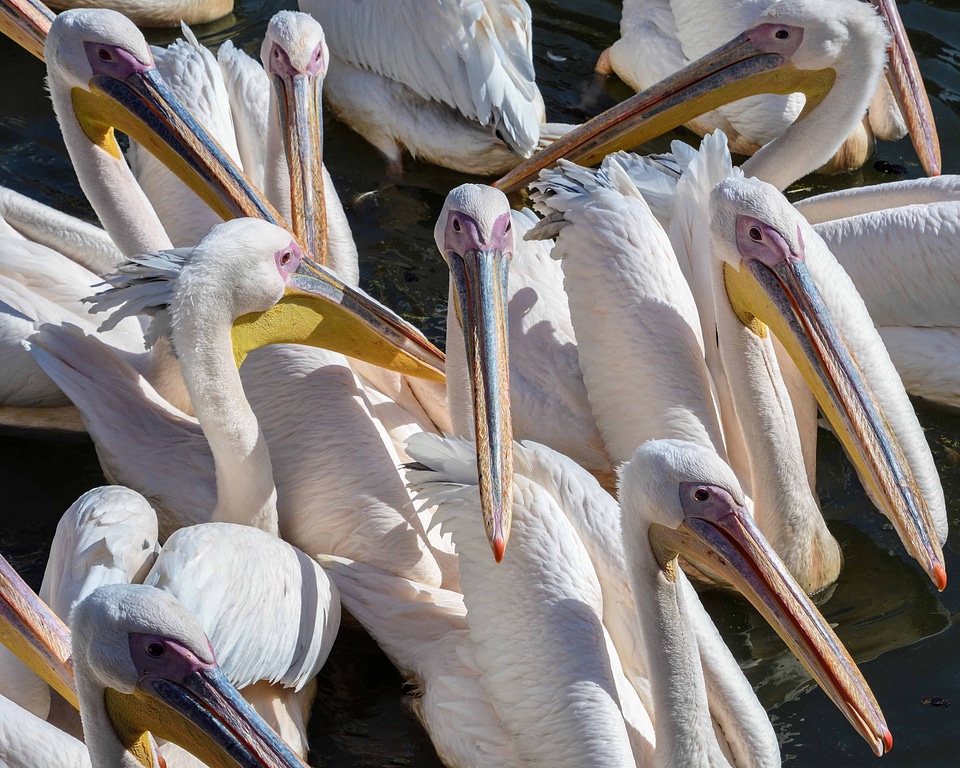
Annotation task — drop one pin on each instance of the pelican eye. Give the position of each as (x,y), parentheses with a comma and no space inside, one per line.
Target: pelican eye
(701,494)
(285,258)
(155,650)
(782,34)
(103,54)
(755,233)
(456,225)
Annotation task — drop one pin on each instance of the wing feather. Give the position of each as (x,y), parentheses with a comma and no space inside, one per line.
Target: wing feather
(473,55)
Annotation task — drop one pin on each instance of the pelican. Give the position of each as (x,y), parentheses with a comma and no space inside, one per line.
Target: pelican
(267,119)
(129,219)
(294,54)
(452,83)
(219,285)
(542,684)
(206,304)
(881,226)
(642,360)
(135,650)
(269,610)
(831,52)
(658,38)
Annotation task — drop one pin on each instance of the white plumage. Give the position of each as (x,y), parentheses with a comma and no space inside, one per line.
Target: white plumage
(450,82)
(660,37)
(534,676)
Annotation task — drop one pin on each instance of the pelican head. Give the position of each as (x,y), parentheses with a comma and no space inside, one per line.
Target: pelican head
(772,279)
(678,498)
(795,46)
(256,277)
(102,63)
(295,55)
(474,234)
(143,657)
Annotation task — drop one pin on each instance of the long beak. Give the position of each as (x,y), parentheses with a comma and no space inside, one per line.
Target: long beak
(786,298)
(733,71)
(35,634)
(27,23)
(204,714)
(143,107)
(480,281)
(299,100)
(722,537)
(320,310)
(903,72)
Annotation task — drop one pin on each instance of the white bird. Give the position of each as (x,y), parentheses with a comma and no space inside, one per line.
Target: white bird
(270,612)
(240,197)
(801,146)
(535,679)
(291,640)
(660,37)
(831,52)
(374,512)
(267,119)
(137,650)
(450,82)
(216,313)
(39,285)
(891,239)
(643,362)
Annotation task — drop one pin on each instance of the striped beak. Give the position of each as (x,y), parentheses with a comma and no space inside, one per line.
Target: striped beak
(35,634)
(719,535)
(776,285)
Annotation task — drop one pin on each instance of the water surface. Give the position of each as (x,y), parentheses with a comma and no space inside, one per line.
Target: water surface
(883,607)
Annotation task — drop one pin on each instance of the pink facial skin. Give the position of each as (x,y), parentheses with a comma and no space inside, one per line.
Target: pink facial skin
(708,502)
(280,63)
(288,259)
(113,61)
(776,38)
(161,657)
(462,234)
(761,242)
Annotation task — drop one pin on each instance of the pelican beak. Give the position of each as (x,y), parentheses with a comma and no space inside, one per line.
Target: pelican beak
(35,634)
(138,102)
(27,23)
(479,278)
(299,99)
(719,535)
(907,85)
(781,292)
(320,310)
(204,714)
(733,71)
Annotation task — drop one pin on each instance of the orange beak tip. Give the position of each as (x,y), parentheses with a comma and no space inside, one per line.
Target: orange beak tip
(940,576)
(887,741)
(499,546)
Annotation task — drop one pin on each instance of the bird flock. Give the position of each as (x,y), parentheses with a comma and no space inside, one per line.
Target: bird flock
(640,350)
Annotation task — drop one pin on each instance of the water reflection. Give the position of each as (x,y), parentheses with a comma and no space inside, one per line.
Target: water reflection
(882,605)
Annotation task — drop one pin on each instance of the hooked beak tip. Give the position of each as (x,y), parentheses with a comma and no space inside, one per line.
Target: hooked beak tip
(499,545)
(887,741)
(939,576)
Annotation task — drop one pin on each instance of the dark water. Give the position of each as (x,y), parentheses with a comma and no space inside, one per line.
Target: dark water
(883,607)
